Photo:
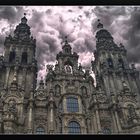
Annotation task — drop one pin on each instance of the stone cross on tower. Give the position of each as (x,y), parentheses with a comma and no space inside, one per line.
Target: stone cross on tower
(100,25)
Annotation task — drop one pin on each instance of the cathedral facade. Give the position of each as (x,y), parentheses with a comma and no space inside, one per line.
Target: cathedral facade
(67,101)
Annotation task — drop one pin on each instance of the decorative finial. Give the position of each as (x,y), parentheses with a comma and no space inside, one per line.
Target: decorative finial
(24,20)
(100,25)
(66,39)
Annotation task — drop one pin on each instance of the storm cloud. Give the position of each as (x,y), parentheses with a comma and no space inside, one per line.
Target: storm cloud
(50,24)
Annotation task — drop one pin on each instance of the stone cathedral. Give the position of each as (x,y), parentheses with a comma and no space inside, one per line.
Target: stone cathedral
(67,101)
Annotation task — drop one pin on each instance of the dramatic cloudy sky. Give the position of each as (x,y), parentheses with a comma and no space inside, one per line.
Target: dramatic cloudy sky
(50,24)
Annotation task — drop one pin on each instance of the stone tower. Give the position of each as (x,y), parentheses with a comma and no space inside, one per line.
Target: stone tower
(118,83)
(18,75)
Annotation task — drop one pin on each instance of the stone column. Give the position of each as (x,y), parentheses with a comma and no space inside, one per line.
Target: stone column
(131,85)
(112,84)
(97,115)
(98,120)
(51,112)
(94,125)
(115,114)
(80,105)
(116,86)
(21,114)
(117,121)
(65,104)
(119,82)
(24,78)
(51,119)
(7,76)
(30,115)
(106,83)
(114,122)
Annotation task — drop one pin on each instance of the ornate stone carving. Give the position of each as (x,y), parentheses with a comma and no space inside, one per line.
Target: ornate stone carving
(101,98)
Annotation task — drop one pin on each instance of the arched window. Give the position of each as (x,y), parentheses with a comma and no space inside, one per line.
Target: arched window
(106,130)
(74,128)
(110,62)
(12,56)
(57,90)
(84,91)
(72,104)
(40,130)
(121,63)
(24,58)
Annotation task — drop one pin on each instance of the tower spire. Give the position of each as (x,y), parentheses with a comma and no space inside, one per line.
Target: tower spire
(24,19)
(66,47)
(66,39)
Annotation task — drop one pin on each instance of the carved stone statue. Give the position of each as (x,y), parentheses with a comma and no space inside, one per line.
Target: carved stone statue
(68,69)
(12,106)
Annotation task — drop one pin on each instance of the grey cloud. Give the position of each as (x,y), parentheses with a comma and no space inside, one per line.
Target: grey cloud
(83,45)
(11,13)
(51,33)
(109,14)
(36,20)
(70,10)
(132,36)
(49,11)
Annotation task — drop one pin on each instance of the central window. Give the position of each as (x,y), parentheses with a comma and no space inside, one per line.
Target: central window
(74,128)
(40,130)
(72,104)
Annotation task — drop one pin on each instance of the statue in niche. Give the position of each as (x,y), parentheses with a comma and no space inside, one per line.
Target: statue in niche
(131,111)
(12,106)
(125,86)
(68,69)
(57,90)
(84,91)
(56,68)
(132,116)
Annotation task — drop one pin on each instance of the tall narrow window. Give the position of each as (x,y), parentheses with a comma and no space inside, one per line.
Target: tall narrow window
(121,63)
(12,57)
(74,128)
(40,130)
(24,58)
(72,104)
(110,62)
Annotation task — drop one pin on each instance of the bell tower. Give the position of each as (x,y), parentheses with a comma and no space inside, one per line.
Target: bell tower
(19,57)
(111,65)
(118,82)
